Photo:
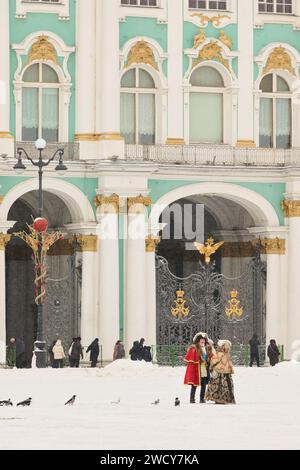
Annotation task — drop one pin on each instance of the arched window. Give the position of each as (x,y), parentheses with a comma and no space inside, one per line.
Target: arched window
(206,105)
(40,103)
(275,120)
(138,107)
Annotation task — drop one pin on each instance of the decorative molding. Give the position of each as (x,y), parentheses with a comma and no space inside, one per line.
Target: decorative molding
(225,39)
(5,135)
(63,247)
(151,243)
(42,49)
(234,308)
(60,8)
(180,310)
(4,239)
(245,144)
(199,39)
(113,201)
(110,136)
(146,201)
(290,208)
(214,20)
(141,53)
(86,243)
(279,59)
(211,51)
(273,246)
(1,199)
(237,250)
(175,141)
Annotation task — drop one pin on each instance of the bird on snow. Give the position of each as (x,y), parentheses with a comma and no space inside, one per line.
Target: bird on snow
(6,402)
(156,402)
(116,402)
(25,402)
(71,401)
(177,402)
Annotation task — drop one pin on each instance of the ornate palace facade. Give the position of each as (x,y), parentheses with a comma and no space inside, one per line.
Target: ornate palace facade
(154,102)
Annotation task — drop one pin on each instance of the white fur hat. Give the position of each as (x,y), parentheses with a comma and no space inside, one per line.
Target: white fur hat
(200,333)
(224,342)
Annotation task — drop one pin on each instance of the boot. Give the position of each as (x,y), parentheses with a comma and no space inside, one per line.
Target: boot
(202,393)
(192,395)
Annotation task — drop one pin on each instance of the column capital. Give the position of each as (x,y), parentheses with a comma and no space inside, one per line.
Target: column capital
(4,239)
(86,243)
(237,250)
(151,243)
(112,201)
(273,246)
(291,208)
(139,200)
(1,199)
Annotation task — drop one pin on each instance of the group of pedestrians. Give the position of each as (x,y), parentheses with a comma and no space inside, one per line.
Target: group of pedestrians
(273,352)
(140,352)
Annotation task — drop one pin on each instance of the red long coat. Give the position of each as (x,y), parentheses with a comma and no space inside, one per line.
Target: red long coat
(192,375)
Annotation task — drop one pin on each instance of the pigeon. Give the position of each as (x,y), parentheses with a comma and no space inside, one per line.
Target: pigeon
(177,402)
(156,402)
(116,402)
(71,401)
(6,402)
(25,402)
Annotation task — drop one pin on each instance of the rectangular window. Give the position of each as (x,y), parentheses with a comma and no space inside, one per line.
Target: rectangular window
(42,1)
(146,119)
(206,117)
(266,123)
(140,3)
(50,114)
(208,4)
(275,6)
(30,114)
(128,118)
(283,123)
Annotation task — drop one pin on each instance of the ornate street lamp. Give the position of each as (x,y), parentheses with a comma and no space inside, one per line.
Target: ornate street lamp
(40,241)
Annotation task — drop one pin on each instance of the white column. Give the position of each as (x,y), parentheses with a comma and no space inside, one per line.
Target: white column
(136,298)
(293,285)
(86,78)
(273,300)
(175,71)
(6,140)
(108,287)
(108,125)
(151,243)
(89,327)
(246,100)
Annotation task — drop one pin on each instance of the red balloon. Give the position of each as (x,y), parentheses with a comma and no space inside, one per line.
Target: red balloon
(40,224)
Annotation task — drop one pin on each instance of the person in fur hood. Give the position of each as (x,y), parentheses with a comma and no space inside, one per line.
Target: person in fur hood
(197,371)
(220,388)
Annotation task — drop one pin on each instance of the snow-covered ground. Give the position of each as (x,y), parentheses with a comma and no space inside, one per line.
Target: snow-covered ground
(266,416)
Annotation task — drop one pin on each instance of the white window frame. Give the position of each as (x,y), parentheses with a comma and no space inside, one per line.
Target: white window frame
(232,9)
(60,8)
(160,12)
(136,91)
(275,12)
(210,9)
(141,6)
(260,18)
(274,95)
(40,86)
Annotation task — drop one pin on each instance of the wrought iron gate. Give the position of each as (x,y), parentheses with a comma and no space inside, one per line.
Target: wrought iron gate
(211,302)
(62,305)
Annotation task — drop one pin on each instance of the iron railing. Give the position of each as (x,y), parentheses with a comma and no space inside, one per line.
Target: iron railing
(173,355)
(205,155)
(71,150)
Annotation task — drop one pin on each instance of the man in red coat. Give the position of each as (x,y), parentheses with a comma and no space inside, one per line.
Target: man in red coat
(196,372)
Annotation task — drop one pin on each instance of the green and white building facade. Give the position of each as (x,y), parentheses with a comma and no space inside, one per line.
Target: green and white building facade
(189,101)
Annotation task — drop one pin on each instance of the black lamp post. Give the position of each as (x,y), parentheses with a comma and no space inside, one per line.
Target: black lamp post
(39,345)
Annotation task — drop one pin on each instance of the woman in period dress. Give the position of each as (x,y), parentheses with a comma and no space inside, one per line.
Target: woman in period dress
(220,388)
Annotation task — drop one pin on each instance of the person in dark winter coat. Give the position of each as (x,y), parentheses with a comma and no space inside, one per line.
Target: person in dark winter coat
(76,352)
(134,352)
(94,352)
(254,353)
(119,351)
(20,353)
(11,353)
(50,351)
(147,354)
(273,353)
